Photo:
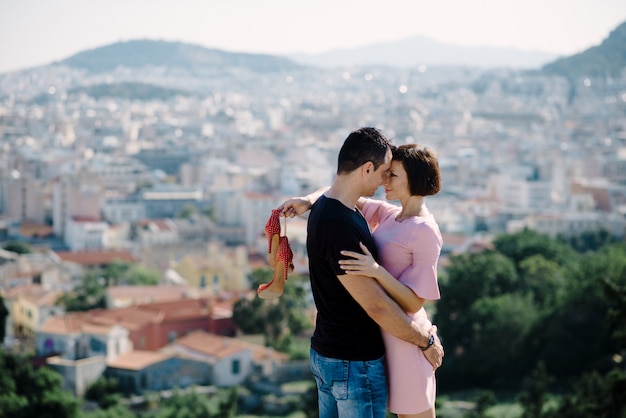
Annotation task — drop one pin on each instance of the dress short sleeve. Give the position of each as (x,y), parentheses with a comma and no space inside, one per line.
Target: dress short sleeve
(421,275)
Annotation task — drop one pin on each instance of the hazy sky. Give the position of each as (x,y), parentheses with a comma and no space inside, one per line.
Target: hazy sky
(35,32)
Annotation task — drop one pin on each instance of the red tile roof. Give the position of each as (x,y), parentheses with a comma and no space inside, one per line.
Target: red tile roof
(138,359)
(96,257)
(133,317)
(211,345)
(160,224)
(34,293)
(72,324)
(138,295)
(86,219)
(31,229)
(219,347)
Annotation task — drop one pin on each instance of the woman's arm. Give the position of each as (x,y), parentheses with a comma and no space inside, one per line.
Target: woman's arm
(365,265)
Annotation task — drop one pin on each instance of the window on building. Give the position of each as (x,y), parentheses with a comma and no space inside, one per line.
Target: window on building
(236,369)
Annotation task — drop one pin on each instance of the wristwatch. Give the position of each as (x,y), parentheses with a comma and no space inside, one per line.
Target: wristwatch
(431,341)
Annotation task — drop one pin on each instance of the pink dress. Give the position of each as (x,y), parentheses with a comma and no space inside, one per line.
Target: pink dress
(409,250)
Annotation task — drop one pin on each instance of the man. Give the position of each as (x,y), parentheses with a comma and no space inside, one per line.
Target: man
(347,351)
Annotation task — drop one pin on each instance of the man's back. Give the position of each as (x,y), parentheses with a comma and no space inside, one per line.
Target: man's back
(343,329)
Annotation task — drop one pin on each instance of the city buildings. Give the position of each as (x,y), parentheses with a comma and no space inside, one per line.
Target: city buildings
(184,184)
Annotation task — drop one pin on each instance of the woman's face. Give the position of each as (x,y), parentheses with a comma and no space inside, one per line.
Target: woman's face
(396,182)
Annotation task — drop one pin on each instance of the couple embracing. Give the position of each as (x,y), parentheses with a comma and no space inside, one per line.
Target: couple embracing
(373,346)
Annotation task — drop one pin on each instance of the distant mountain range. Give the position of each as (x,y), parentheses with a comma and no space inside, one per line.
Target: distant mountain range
(609,58)
(139,53)
(606,59)
(415,51)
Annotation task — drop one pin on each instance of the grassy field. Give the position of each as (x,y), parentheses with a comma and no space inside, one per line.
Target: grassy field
(462,404)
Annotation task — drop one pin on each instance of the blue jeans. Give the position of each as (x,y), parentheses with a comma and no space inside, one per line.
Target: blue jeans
(350,389)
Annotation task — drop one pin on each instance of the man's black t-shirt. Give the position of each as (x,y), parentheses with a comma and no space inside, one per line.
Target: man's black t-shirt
(343,329)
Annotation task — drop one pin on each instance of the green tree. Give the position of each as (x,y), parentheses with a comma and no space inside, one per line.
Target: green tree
(187,212)
(18,247)
(535,388)
(90,294)
(576,336)
(526,243)
(310,402)
(485,400)
(120,272)
(115,411)
(114,271)
(616,315)
(209,212)
(470,277)
(595,395)
(141,275)
(589,240)
(189,405)
(543,279)
(26,392)
(277,319)
(547,302)
(4,313)
(492,351)
(104,392)
(227,406)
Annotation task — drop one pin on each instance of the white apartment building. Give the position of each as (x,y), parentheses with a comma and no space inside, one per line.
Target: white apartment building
(519,194)
(255,210)
(85,233)
(117,211)
(118,173)
(572,224)
(153,232)
(76,337)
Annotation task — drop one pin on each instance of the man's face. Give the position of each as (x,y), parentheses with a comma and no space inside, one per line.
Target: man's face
(377,177)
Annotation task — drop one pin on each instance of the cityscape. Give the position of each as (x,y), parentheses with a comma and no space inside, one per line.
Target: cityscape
(170,172)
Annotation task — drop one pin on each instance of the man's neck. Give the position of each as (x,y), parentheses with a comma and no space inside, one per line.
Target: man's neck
(344,191)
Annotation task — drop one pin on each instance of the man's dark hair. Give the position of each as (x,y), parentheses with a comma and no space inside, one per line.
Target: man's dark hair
(363,145)
(422,169)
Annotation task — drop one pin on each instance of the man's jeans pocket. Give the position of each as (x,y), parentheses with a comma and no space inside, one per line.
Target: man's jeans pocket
(331,375)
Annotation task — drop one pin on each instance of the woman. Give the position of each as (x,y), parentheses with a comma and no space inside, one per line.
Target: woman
(409,244)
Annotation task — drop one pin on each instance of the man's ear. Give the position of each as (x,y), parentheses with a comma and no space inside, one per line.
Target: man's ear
(368,167)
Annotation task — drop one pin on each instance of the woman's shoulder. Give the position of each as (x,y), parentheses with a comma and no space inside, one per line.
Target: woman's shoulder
(425,227)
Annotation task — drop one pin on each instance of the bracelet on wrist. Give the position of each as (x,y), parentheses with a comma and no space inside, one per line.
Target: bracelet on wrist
(431,341)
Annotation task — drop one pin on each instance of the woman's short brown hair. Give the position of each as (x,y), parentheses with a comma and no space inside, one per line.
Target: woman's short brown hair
(422,169)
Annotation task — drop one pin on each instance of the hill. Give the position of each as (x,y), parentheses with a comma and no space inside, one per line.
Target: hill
(141,53)
(606,59)
(121,90)
(129,90)
(415,51)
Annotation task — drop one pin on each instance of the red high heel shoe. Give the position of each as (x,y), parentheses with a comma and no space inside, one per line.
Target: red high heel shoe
(272,232)
(283,266)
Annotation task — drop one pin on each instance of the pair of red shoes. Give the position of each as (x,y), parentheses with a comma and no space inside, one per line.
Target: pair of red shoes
(280,258)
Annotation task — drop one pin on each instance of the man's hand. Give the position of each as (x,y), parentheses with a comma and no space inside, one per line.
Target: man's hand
(295,206)
(434,354)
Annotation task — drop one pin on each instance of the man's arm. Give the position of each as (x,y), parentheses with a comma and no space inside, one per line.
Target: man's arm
(388,315)
(299,205)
